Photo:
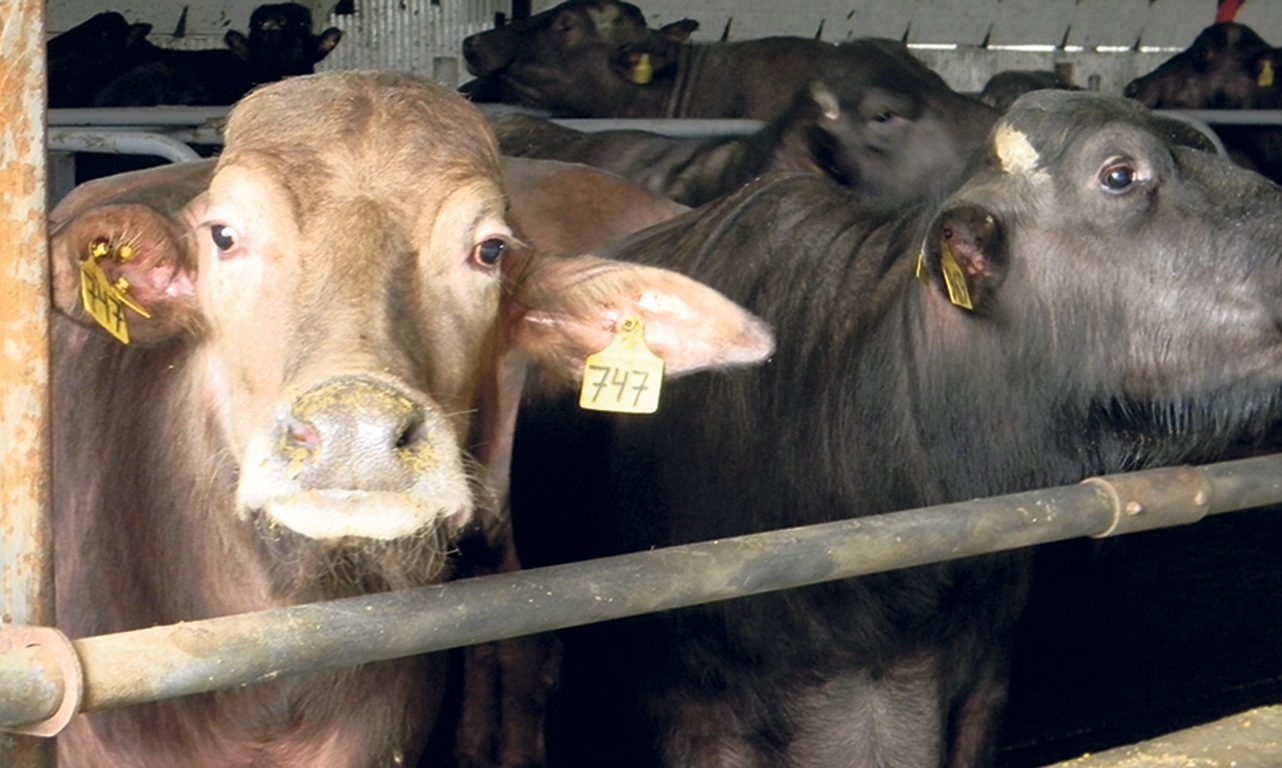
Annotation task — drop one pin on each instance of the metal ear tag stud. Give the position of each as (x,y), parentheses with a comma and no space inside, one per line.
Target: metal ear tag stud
(104,301)
(625,377)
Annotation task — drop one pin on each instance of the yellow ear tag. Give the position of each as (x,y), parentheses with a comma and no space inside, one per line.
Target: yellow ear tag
(954,278)
(625,377)
(1266,74)
(105,302)
(642,71)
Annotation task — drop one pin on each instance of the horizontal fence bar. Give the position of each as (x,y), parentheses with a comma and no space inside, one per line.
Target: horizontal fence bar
(1251,739)
(199,656)
(1261,117)
(137,116)
(121,143)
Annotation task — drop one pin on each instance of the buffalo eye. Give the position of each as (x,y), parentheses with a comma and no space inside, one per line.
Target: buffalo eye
(1117,176)
(489,251)
(884,116)
(225,238)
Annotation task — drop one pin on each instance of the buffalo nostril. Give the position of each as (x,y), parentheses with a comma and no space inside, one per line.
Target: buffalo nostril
(302,434)
(412,433)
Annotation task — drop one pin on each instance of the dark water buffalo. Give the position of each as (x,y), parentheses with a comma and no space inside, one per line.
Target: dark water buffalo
(628,70)
(320,400)
(1228,66)
(1003,88)
(1095,343)
(884,129)
(280,43)
(108,63)
(90,54)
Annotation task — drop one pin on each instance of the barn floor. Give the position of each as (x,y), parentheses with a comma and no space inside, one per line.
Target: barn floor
(1131,638)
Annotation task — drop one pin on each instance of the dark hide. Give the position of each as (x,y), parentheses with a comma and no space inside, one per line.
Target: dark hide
(280,44)
(1228,66)
(556,31)
(884,131)
(1096,344)
(1003,88)
(87,56)
(627,70)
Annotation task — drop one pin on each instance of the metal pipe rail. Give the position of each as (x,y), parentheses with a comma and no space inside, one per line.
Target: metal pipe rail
(120,142)
(201,656)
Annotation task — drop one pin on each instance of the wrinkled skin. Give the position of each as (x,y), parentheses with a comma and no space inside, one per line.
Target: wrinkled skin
(1225,67)
(320,404)
(888,130)
(884,395)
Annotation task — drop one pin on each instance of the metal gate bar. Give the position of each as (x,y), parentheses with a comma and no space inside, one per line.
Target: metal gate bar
(200,656)
(1251,739)
(26,577)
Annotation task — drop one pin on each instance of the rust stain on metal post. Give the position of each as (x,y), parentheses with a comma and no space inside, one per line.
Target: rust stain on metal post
(26,577)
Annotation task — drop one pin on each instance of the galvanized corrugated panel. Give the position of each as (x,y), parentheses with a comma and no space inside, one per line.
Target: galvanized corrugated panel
(961,22)
(1096,23)
(1265,18)
(1174,23)
(417,36)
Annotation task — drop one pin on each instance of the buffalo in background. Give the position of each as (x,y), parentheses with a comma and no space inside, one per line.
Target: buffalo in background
(1228,66)
(107,62)
(887,128)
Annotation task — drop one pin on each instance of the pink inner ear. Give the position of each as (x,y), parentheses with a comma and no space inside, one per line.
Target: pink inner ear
(145,250)
(566,309)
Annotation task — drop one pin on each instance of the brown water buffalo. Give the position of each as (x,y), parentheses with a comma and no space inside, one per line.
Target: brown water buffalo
(1049,319)
(318,399)
(1228,66)
(887,129)
(632,71)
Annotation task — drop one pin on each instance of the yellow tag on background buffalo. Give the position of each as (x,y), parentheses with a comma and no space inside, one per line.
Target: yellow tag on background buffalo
(625,377)
(1266,74)
(954,278)
(642,70)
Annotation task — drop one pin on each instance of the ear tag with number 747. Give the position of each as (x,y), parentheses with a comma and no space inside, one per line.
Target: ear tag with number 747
(625,377)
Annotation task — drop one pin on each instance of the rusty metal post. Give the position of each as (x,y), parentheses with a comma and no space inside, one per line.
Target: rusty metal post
(26,542)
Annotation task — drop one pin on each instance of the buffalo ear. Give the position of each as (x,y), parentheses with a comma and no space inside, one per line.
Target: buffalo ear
(562,310)
(137,34)
(132,229)
(808,138)
(238,44)
(654,58)
(964,256)
(325,43)
(679,31)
